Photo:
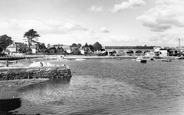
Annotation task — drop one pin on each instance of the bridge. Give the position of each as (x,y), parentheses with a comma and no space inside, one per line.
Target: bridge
(129,50)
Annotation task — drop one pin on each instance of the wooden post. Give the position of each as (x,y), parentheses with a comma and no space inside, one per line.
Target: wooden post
(7,64)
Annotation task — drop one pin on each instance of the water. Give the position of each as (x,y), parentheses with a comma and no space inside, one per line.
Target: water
(109,87)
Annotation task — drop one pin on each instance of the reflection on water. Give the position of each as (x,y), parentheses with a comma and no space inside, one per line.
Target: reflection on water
(109,87)
(83,93)
(7,105)
(44,91)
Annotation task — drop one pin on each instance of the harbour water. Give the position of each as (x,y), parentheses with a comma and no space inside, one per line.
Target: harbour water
(109,87)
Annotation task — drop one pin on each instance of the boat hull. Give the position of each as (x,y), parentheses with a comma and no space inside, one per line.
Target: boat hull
(143,61)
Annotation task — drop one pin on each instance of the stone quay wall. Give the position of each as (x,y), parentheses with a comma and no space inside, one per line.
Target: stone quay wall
(13,73)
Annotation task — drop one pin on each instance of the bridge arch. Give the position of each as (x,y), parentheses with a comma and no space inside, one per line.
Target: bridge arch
(130,52)
(138,53)
(121,52)
(147,51)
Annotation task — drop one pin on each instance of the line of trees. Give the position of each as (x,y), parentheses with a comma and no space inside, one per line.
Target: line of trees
(5,41)
(31,36)
(88,49)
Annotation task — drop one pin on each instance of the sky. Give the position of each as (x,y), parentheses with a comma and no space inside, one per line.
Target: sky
(109,22)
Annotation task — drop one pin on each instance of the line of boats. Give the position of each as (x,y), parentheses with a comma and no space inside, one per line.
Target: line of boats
(144,60)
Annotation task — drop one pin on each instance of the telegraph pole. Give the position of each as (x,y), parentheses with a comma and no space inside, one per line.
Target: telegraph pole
(179,43)
(179,47)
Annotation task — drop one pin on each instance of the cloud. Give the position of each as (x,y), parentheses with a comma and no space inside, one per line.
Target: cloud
(120,40)
(165,15)
(51,31)
(73,25)
(95,9)
(104,30)
(163,40)
(127,5)
(44,27)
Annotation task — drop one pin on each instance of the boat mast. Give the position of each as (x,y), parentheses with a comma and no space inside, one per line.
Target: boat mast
(179,47)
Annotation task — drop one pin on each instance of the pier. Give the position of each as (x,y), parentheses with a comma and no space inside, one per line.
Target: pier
(13,73)
(20,57)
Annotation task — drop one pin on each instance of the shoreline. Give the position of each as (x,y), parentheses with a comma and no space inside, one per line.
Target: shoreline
(73,57)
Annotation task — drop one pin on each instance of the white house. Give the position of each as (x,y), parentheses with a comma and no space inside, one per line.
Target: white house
(66,48)
(163,53)
(12,48)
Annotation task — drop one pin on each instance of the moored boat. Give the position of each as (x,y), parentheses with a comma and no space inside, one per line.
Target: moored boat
(140,59)
(143,61)
(79,59)
(166,60)
(180,58)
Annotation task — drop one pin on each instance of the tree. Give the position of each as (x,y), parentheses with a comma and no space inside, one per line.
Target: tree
(75,49)
(22,48)
(31,35)
(74,45)
(86,45)
(97,46)
(48,45)
(91,48)
(86,49)
(79,45)
(5,41)
(41,47)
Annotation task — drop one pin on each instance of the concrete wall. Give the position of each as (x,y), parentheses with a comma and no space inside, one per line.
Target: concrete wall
(12,73)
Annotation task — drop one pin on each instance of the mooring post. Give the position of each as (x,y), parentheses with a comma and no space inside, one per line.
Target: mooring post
(7,64)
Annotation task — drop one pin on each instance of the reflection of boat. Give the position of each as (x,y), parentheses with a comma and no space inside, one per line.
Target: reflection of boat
(140,59)
(79,59)
(152,59)
(166,60)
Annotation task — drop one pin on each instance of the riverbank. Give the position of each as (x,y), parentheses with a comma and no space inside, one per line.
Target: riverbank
(73,57)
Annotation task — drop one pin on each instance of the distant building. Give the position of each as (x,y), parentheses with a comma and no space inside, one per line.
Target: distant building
(15,47)
(163,53)
(52,50)
(56,50)
(33,49)
(67,48)
(12,48)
